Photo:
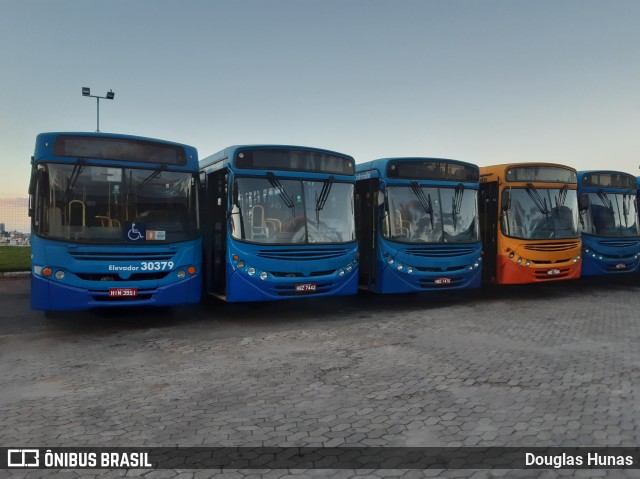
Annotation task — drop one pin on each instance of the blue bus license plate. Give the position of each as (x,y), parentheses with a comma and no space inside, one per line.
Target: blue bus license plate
(305,288)
(123,292)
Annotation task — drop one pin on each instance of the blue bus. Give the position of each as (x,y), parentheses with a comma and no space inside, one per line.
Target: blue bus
(608,206)
(114,222)
(417,221)
(278,223)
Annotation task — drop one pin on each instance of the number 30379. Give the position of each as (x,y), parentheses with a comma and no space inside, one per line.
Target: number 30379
(156,265)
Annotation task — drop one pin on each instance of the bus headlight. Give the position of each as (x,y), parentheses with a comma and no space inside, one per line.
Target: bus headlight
(37,270)
(349,268)
(410,270)
(390,261)
(511,255)
(240,264)
(59,274)
(251,271)
(340,272)
(399,266)
(263,275)
(528,263)
(519,260)
(181,273)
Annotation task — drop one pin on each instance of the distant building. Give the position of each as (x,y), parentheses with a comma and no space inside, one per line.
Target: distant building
(2,230)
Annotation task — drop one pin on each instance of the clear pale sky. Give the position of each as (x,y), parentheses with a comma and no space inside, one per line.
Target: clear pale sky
(481,81)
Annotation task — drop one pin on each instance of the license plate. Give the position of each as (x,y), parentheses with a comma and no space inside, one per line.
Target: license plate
(305,288)
(442,281)
(123,292)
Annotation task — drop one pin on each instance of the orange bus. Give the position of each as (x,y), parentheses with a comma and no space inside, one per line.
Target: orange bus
(529,223)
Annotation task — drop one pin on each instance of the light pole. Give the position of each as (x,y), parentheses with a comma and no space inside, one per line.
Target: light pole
(86,91)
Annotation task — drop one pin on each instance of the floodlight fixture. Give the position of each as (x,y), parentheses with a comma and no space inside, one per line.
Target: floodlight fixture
(86,91)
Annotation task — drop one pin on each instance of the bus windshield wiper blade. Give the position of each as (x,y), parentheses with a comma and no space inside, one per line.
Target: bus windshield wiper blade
(540,203)
(605,200)
(154,174)
(75,173)
(562,196)
(275,182)
(322,199)
(456,203)
(425,201)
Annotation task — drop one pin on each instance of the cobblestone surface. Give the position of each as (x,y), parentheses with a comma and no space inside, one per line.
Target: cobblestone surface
(545,365)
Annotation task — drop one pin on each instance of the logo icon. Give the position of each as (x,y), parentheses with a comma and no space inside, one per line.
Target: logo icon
(23,457)
(136,231)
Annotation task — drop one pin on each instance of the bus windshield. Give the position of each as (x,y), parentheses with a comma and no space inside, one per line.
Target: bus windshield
(98,204)
(419,214)
(610,214)
(544,213)
(282,211)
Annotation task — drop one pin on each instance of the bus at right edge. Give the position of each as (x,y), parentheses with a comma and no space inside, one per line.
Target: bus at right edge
(608,207)
(529,222)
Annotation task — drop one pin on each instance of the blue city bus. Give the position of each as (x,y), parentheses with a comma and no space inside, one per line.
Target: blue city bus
(417,222)
(608,206)
(278,223)
(114,222)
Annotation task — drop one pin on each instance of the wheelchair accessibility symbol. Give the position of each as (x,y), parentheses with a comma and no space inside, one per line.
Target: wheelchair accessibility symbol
(136,231)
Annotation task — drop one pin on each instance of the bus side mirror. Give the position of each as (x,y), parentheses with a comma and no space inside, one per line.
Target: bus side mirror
(505,205)
(583,201)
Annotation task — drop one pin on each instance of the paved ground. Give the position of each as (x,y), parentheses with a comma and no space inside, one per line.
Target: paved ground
(548,365)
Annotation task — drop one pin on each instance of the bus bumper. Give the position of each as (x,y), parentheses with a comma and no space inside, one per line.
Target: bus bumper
(510,272)
(50,295)
(594,266)
(392,281)
(242,287)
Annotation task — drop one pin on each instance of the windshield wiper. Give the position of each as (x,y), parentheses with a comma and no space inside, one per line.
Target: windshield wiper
(626,207)
(562,196)
(425,201)
(456,203)
(540,203)
(275,182)
(155,173)
(75,173)
(605,200)
(322,199)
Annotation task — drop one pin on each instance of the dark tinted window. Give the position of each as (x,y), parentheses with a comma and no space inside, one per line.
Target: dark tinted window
(120,149)
(297,160)
(544,174)
(611,180)
(433,170)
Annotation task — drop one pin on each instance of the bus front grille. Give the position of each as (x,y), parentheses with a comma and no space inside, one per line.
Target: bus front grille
(439,252)
(301,255)
(120,256)
(620,243)
(550,247)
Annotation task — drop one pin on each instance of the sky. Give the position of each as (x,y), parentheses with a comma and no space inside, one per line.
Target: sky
(488,82)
